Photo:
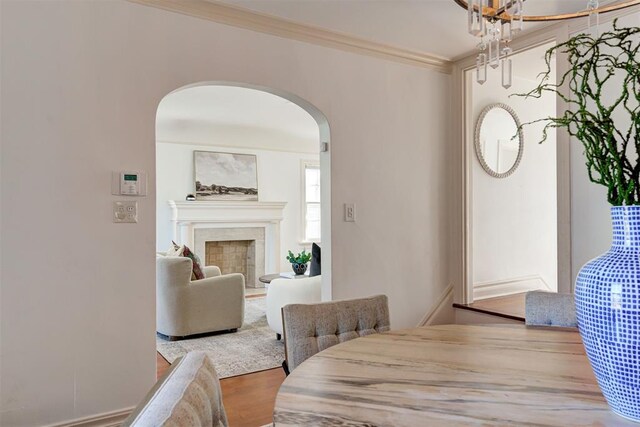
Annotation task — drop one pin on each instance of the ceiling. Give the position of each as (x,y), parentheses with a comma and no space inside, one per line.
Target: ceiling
(235,116)
(430,26)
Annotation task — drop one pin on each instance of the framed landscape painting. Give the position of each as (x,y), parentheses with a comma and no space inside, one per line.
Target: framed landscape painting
(225,176)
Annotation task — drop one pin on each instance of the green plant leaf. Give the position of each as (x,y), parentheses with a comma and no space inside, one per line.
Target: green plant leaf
(601,89)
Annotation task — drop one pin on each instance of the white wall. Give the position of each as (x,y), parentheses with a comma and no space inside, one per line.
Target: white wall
(590,211)
(515,218)
(279,180)
(80,83)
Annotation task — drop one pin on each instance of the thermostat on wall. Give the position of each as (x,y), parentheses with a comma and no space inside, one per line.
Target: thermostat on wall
(129,183)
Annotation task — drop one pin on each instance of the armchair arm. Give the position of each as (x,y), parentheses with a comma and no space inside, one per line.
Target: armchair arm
(211,271)
(226,284)
(215,301)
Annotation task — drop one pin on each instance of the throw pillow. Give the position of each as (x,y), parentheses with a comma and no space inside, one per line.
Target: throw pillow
(175,249)
(196,273)
(314,268)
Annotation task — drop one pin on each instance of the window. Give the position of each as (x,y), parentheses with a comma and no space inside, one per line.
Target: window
(311,204)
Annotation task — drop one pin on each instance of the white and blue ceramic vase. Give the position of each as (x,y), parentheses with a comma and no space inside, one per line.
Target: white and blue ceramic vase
(608,308)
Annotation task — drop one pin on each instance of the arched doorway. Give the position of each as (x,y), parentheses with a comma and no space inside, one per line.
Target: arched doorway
(268,97)
(268,150)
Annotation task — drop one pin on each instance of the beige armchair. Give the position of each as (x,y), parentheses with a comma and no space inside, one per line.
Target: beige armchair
(183,307)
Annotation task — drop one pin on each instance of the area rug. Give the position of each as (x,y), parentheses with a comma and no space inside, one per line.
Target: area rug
(253,348)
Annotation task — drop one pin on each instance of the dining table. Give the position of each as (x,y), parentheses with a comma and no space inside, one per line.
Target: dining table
(448,375)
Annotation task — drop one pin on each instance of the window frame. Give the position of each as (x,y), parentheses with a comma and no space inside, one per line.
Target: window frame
(304,165)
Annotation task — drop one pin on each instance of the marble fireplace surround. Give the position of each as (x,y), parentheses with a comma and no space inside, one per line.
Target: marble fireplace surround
(197,222)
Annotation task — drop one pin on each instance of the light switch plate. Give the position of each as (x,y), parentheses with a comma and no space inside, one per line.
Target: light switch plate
(350,212)
(126,211)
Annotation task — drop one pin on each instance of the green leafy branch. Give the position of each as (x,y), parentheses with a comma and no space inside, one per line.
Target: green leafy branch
(607,124)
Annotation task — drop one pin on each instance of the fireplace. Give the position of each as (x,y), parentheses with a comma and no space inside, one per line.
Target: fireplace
(248,232)
(233,256)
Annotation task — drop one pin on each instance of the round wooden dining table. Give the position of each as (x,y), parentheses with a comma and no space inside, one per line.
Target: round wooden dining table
(450,375)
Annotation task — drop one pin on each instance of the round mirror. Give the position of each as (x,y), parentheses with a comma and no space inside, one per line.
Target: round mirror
(499,140)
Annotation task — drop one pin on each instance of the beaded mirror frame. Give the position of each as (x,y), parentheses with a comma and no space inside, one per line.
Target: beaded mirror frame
(478,149)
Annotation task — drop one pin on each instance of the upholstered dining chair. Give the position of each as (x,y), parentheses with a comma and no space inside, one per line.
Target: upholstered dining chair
(311,328)
(188,395)
(550,309)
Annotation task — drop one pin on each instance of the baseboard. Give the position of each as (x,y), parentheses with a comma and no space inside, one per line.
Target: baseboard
(107,419)
(499,288)
(442,311)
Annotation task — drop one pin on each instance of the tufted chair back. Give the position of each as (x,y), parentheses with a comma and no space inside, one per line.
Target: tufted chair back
(550,309)
(189,395)
(311,328)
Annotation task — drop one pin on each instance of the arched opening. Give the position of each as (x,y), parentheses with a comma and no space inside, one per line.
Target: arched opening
(242,178)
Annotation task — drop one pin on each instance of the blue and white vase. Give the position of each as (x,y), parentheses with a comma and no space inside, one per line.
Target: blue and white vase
(608,308)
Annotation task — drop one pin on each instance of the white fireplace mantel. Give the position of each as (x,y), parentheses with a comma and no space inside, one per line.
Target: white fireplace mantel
(223,211)
(187,217)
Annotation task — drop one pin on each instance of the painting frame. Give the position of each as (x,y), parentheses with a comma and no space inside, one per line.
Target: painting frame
(222,176)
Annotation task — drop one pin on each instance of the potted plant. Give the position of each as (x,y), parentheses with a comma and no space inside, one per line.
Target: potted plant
(602,91)
(299,262)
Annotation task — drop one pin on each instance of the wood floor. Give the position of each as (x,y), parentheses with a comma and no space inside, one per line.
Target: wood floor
(161,365)
(248,399)
(510,306)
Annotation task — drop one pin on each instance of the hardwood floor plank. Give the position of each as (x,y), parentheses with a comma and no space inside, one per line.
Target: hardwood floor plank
(249,399)
(510,306)
(161,365)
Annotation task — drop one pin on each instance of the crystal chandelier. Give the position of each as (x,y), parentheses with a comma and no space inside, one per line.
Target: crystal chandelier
(495,22)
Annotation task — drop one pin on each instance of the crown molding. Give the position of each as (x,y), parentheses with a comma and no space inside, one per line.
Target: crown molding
(243,18)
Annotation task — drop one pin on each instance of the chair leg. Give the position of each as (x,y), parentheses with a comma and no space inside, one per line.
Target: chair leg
(278,337)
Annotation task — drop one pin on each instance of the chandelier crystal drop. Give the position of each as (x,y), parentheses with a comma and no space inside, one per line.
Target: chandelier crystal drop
(594,17)
(495,22)
(496,34)
(507,72)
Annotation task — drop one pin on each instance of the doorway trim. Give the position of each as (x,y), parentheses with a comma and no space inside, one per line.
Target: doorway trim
(464,292)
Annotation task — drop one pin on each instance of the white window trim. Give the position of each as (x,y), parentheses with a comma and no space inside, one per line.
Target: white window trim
(303,202)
